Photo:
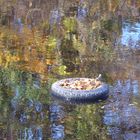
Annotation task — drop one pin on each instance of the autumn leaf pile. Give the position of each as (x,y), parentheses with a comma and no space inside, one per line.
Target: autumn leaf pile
(81,84)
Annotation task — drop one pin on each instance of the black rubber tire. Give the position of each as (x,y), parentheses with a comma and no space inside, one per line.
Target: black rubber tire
(79,96)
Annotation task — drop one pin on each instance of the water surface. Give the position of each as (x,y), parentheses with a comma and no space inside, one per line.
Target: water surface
(43,42)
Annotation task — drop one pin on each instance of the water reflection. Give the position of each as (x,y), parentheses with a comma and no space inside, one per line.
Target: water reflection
(55,17)
(56,116)
(82,12)
(131,34)
(57,132)
(18,25)
(135,88)
(33,117)
(30,133)
(56,112)
(84,33)
(121,115)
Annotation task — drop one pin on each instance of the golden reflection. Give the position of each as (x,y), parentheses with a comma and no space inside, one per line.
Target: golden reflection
(29,47)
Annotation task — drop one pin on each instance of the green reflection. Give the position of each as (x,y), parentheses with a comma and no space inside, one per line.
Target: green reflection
(22,85)
(85,123)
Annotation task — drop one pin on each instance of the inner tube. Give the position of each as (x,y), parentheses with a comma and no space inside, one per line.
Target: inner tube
(79,96)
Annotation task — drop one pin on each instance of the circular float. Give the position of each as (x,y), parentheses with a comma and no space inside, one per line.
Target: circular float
(67,90)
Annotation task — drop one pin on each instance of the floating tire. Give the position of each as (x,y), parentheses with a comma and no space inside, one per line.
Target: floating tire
(79,96)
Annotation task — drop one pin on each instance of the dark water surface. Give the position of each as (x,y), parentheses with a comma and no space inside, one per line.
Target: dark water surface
(43,42)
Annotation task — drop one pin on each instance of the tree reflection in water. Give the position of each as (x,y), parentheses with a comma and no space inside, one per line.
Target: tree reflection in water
(56,116)
(86,36)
